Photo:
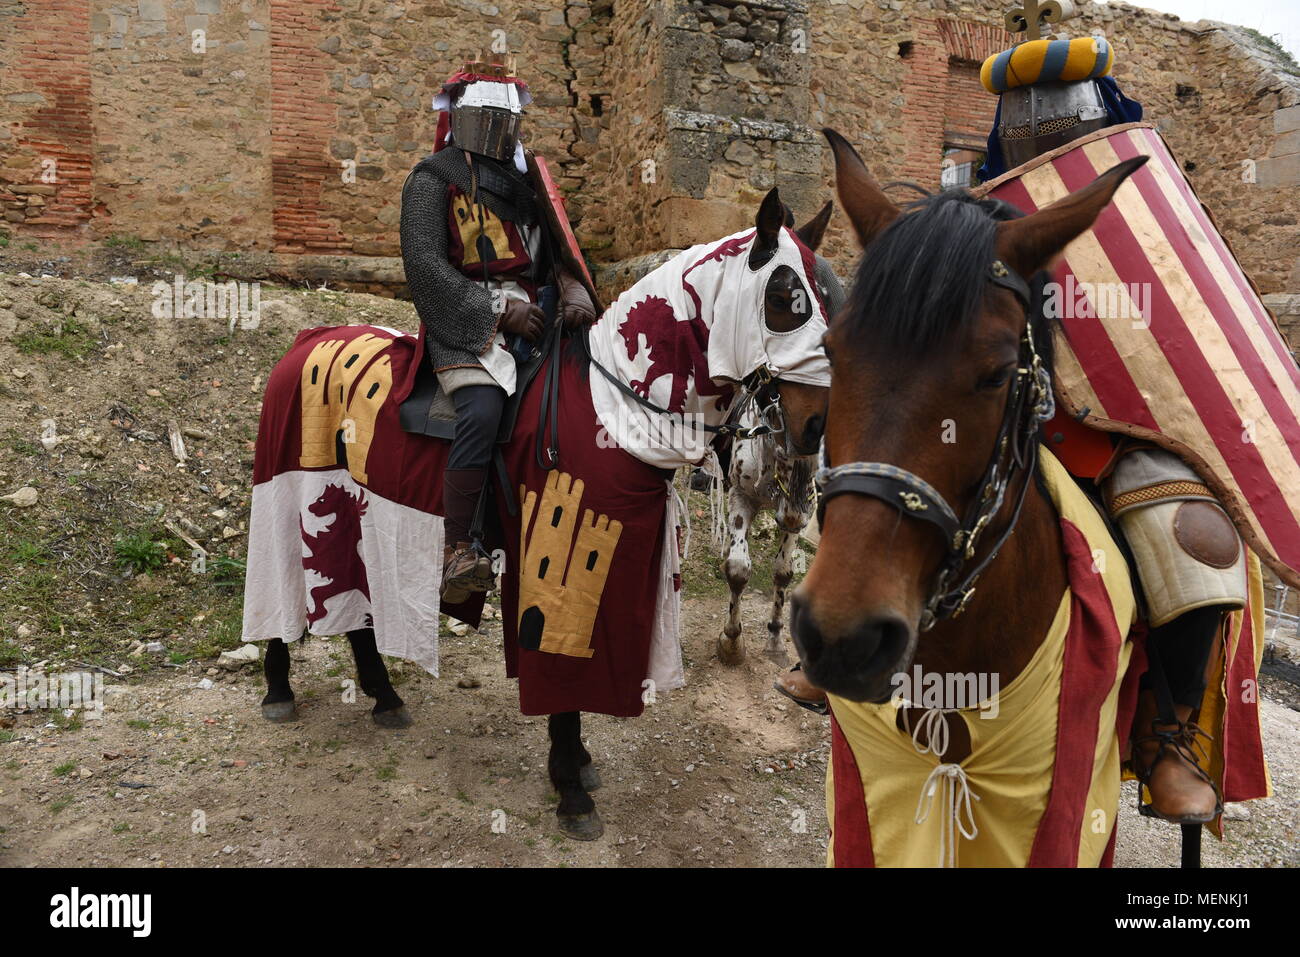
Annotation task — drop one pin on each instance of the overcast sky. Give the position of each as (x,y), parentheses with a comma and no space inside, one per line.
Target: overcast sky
(1279,19)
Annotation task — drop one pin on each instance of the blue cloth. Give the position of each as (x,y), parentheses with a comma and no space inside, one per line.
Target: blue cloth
(1119,109)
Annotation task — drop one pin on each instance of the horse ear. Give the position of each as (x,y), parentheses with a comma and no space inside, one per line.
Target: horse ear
(1031,242)
(812,232)
(770,220)
(867,207)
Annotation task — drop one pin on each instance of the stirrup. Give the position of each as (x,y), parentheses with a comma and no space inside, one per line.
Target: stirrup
(1181,737)
(816,707)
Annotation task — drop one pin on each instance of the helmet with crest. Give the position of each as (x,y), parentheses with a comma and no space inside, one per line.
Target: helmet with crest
(481,106)
(1052,91)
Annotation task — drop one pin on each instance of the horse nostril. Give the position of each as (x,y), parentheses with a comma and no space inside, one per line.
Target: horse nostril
(812,432)
(806,634)
(883,638)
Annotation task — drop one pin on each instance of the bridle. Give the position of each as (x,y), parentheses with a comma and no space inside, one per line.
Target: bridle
(1029,404)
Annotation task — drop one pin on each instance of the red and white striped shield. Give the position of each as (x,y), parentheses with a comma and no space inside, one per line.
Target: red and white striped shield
(1164,337)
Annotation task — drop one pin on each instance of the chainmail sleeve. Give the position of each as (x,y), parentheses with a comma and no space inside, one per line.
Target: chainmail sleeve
(456,311)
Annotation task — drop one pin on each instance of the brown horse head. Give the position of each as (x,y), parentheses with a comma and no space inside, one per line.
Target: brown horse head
(924,357)
(788,303)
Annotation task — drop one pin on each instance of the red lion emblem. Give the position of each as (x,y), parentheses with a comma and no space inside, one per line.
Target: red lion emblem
(673,352)
(334,551)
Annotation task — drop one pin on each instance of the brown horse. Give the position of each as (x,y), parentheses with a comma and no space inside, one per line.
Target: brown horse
(941,377)
(893,390)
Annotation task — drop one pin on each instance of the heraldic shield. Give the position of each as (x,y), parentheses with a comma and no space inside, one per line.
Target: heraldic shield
(1163,337)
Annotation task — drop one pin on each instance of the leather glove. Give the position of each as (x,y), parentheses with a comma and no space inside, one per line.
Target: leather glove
(523,319)
(576,308)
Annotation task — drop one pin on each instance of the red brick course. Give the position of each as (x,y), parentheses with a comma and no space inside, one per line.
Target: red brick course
(304,114)
(54,137)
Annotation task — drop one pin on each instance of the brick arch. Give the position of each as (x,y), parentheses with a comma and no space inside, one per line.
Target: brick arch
(944,99)
(972,42)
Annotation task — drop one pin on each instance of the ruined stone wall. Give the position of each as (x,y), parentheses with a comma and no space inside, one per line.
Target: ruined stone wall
(182,138)
(897,78)
(289,133)
(737,101)
(284,125)
(352,86)
(636,185)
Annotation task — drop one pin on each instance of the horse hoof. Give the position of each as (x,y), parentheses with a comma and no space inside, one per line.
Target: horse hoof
(777,656)
(280,712)
(582,827)
(589,777)
(397,717)
(731,652)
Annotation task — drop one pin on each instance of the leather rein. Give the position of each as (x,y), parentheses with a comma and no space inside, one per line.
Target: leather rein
(758,387)
(1030,403)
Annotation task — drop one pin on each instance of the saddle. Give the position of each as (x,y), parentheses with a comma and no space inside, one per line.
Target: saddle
(428,410)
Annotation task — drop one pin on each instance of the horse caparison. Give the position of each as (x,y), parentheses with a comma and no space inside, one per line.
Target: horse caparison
(802,409)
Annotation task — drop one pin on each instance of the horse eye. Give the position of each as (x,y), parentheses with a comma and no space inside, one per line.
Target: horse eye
(997,380)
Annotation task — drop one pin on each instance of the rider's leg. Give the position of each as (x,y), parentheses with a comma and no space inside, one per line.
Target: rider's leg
(1165,745)
(1192,567)
(478,416)
(1184,648)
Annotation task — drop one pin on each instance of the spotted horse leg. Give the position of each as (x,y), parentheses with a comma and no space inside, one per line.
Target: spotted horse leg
(737,568)
(782,575)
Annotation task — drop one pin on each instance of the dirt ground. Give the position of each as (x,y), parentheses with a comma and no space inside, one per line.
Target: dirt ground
(722,773)
(97,571)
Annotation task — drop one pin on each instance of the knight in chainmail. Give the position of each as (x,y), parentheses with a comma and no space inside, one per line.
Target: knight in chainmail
(480,259)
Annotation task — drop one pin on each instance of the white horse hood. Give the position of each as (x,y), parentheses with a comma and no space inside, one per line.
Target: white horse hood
(687,333)
(731,297)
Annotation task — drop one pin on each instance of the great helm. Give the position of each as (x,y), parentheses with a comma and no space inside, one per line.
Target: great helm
(1041,117)
(485,102)
(1049,92)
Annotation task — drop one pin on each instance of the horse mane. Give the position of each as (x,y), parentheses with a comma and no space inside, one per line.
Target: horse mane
(922,281)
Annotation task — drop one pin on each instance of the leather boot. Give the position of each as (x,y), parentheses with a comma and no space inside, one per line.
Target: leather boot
(1167,758)
(794,684)
(465,570)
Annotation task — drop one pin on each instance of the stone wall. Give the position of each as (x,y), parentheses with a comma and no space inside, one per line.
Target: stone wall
(182,142)
(288,130)
(896,77)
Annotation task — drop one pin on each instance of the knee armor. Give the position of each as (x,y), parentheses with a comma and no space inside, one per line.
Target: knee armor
(1187,551)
